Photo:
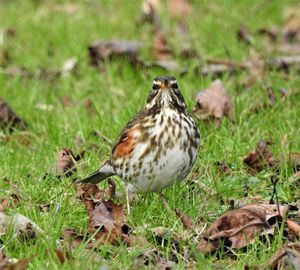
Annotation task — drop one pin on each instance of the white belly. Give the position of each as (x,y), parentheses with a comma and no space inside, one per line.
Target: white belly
(173,163)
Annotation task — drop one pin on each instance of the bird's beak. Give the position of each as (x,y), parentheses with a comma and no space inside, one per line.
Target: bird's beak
(164,85)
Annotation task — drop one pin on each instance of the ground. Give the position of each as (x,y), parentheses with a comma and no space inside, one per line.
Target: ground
(47,34)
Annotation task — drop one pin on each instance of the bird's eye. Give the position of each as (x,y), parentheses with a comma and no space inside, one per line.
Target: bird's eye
(155,86)
(174,85)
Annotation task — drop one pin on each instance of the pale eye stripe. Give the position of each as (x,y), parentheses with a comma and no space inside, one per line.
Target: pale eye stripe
(173,81)
(156,83)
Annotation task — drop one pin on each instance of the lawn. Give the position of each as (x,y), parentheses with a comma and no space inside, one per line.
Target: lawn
(44,34)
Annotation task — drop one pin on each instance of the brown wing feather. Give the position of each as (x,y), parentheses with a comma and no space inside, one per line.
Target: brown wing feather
(127,140)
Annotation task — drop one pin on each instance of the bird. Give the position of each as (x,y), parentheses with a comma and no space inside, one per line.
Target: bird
(157,147)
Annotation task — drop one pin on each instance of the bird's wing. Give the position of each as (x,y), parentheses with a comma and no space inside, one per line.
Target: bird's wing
(129,137)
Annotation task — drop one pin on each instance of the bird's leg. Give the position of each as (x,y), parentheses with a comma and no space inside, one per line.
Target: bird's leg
(127,201)
(165,203)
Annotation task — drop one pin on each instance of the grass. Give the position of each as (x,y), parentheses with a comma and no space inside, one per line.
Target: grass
(46,36)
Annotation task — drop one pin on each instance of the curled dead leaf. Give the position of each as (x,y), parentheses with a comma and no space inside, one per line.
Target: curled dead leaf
(100,51)
(185,219)
(213,102)
(8,118)
(293,229)
(12,201)
(285,257)
(106,218)
(66,162)
(260,158)
(7,263)
(21,225)
(161,47)
(240,227)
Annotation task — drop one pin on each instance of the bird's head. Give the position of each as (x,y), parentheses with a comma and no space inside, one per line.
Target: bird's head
(166,93)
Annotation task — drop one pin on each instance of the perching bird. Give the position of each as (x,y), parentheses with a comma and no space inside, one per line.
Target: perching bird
(158,146)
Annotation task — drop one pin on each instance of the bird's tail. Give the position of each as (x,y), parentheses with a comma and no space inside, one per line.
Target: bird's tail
(98,176)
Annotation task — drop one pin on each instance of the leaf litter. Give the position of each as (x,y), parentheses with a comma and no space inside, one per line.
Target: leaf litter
(213,102)
(237,228)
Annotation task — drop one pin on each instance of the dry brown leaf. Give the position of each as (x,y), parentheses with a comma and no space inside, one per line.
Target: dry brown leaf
(106,218)
(284,62)
(8,118)
(185,219)
(7,263)
(238,228)
(293,229)
(260,158)
(21,225)
(287,257)
(213,102)
(179,9)
(66,162)
(12,201)
(100,51)
(161,47)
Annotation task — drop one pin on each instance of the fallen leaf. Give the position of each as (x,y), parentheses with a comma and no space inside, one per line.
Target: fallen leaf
(7,263)
(106,218)
(66,162)
(260,158)
(100,51)
(186,220)
(293,229)
(179,9)
(240,227)
(167,65)
(161,47)
(8,118)
(12,201)
(285,62)
(21,225)
(285,257)
(213,102)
